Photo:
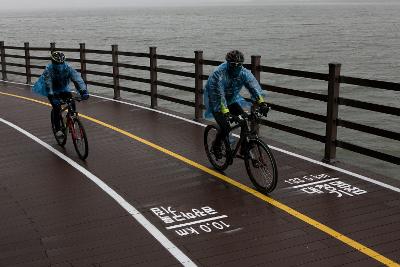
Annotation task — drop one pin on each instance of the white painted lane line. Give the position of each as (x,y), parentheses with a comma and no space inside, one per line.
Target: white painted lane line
(163,240)
(370,180)
(318,182)
(195,222)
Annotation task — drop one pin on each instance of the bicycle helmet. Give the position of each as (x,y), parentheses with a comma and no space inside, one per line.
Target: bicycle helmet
(235,56)
(57,57)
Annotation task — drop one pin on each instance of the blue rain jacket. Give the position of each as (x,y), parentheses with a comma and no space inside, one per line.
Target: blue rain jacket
(222,89)
(56,79)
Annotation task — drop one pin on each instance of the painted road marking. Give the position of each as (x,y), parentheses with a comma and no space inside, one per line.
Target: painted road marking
(319,182)
(163,240)
(327,185)
(352,243)
(196,222)
(356,175)
(169,215)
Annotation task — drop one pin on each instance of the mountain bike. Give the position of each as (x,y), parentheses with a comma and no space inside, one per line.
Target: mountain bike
(71,122)
(259,160)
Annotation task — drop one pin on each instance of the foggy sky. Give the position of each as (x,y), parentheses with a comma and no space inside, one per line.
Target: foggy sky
(28,4)
(50,4)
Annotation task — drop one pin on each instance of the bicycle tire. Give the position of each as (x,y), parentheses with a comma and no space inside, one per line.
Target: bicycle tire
(60,141)
(261,166)
(209,138)
(79,138)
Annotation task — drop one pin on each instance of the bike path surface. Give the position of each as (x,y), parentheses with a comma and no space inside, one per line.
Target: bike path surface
(234,228)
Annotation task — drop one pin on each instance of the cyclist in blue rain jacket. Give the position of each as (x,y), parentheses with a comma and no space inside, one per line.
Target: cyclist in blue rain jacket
(222,98)
(54,83)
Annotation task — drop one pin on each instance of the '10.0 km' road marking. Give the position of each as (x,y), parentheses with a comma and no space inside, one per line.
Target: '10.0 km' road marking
(184,223)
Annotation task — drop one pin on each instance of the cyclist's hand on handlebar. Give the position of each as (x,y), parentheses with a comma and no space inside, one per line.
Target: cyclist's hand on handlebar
(228,116)
(264,108)
(84,95)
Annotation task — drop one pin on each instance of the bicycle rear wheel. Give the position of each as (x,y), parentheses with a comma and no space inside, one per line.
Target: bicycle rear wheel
(60,140)
(79,139)
(261,166)
(220,162)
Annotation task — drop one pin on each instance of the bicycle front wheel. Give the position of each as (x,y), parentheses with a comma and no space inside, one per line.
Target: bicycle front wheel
(61,140)
(261,166)
(220,160)
(79,139)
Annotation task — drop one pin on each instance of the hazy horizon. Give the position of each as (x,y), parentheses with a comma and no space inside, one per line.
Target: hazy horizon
(26,5)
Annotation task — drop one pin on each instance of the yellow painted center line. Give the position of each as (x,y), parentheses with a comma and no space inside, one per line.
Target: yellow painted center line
(350,242)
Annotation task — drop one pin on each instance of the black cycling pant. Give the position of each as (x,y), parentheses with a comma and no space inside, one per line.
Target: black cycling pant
(236,110)
(55,103)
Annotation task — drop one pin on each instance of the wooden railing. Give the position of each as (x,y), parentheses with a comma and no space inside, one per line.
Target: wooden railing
(332,98)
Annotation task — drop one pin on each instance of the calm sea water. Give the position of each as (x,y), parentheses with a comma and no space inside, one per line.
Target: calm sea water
(365,39)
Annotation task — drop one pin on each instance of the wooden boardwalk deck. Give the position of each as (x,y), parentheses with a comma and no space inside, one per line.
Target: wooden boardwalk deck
(56,213)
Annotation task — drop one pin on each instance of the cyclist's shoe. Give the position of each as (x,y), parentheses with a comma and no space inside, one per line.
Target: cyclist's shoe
(59,134)
(217,150)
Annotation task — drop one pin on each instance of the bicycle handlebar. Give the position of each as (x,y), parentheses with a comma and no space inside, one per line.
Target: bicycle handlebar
(65,101)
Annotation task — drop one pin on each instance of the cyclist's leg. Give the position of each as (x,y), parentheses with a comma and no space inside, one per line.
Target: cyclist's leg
(223,126)
(236,110)
(55,103)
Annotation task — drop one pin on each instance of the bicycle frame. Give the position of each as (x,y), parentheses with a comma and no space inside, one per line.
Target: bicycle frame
(247,133)
(70,113)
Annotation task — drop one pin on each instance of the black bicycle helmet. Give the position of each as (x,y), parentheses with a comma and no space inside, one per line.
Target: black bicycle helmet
(57,57)
(235,56)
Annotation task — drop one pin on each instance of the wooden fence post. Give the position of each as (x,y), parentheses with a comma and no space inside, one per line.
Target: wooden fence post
(198,70)
(332,112)
(153,76)
(117,94)
(255,67)
(27,63)
(3,61)
(52,47)
(82,56)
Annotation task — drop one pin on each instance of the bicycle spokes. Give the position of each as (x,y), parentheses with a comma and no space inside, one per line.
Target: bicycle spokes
(261,166)
(79,138)
(217,154)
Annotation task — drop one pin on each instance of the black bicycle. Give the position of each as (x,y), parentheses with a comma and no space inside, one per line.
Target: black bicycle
(71,122)
(259,160)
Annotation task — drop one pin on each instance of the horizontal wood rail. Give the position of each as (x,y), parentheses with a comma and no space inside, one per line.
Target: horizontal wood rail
(16,65)
(132,54)
(68,49)
(296,73)
(300,113)
(176,86)
(289,129)
(136,91)
(368,152)
(293,92)
(134,67)
(39,48)
(369,106)
(332,98)
(369,129)
(178,59)
(177,72)
(370,83)
(176,100)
